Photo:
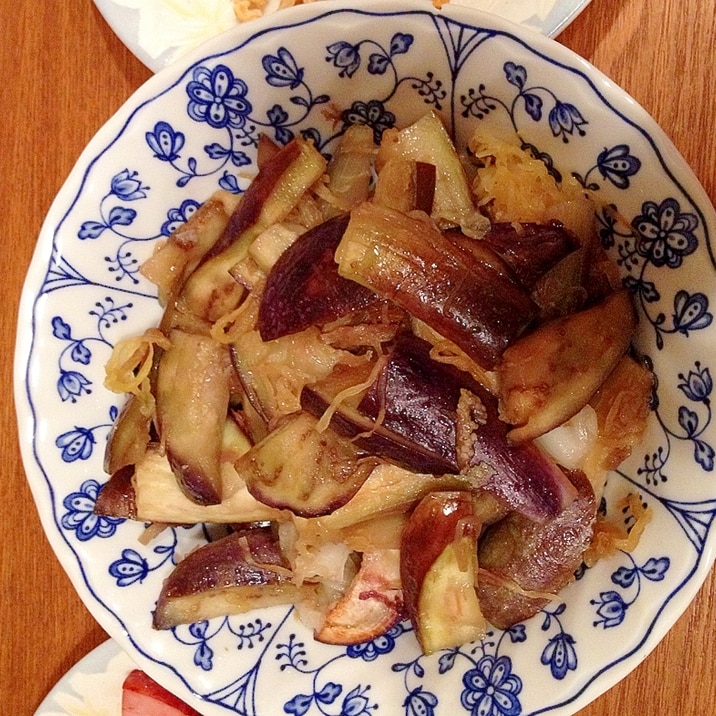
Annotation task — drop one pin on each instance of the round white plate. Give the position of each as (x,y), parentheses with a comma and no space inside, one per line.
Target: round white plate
(158,32)
(92,686)
(163,152)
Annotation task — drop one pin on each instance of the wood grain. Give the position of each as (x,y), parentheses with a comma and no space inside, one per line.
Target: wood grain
(65,73)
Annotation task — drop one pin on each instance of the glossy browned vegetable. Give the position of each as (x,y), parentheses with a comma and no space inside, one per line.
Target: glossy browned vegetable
(410,262)
(193,391)
(229,576)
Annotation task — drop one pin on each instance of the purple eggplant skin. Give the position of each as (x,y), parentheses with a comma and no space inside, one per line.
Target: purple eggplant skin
(376,440)
(235,569)
(409,416)
(524,477)
(535,557)
(224,564)
(413,264)
(248,211)
(304,287)
(117,497)
(417,399)
(531,250)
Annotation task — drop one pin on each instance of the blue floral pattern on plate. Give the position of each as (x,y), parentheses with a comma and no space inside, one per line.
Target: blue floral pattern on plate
(194,129)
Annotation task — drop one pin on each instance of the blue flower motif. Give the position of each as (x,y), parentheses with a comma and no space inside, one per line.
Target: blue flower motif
(121,216)
(76,444)
(617,165)
(126,187)
(378,62)
(371,650)
(278,117)
(281,69)
(371,113)
(178,216)
(533,105)
(447,660)
(130,569)
(491,688)
(80,516)
(611,609)
(689,421)
(356,703)
(61,330)
(329,693)
(560,655)
(217,151)
(71,385)
(165,142)
(400,43)
(704,454)
(204,654)
(655,568)
(665,235)
(229,182)
(118,216)
(646,290)
(299,704)
(691,312)
(625,576)
(218,98)
(80,353)
(697,385)
(420,703)
(516,74)
(517,633)
(345,57)
(564,119)
(91,230)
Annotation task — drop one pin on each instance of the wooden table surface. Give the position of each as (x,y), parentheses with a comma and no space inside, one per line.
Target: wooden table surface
(64,75)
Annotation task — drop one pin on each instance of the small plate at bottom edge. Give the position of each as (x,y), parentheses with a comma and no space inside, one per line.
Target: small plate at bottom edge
(92,686)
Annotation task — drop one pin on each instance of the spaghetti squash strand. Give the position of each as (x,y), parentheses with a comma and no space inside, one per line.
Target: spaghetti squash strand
(131,362)
(349,392)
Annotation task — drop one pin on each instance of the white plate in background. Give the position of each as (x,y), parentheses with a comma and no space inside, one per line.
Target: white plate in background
(158,32)
(92,686)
